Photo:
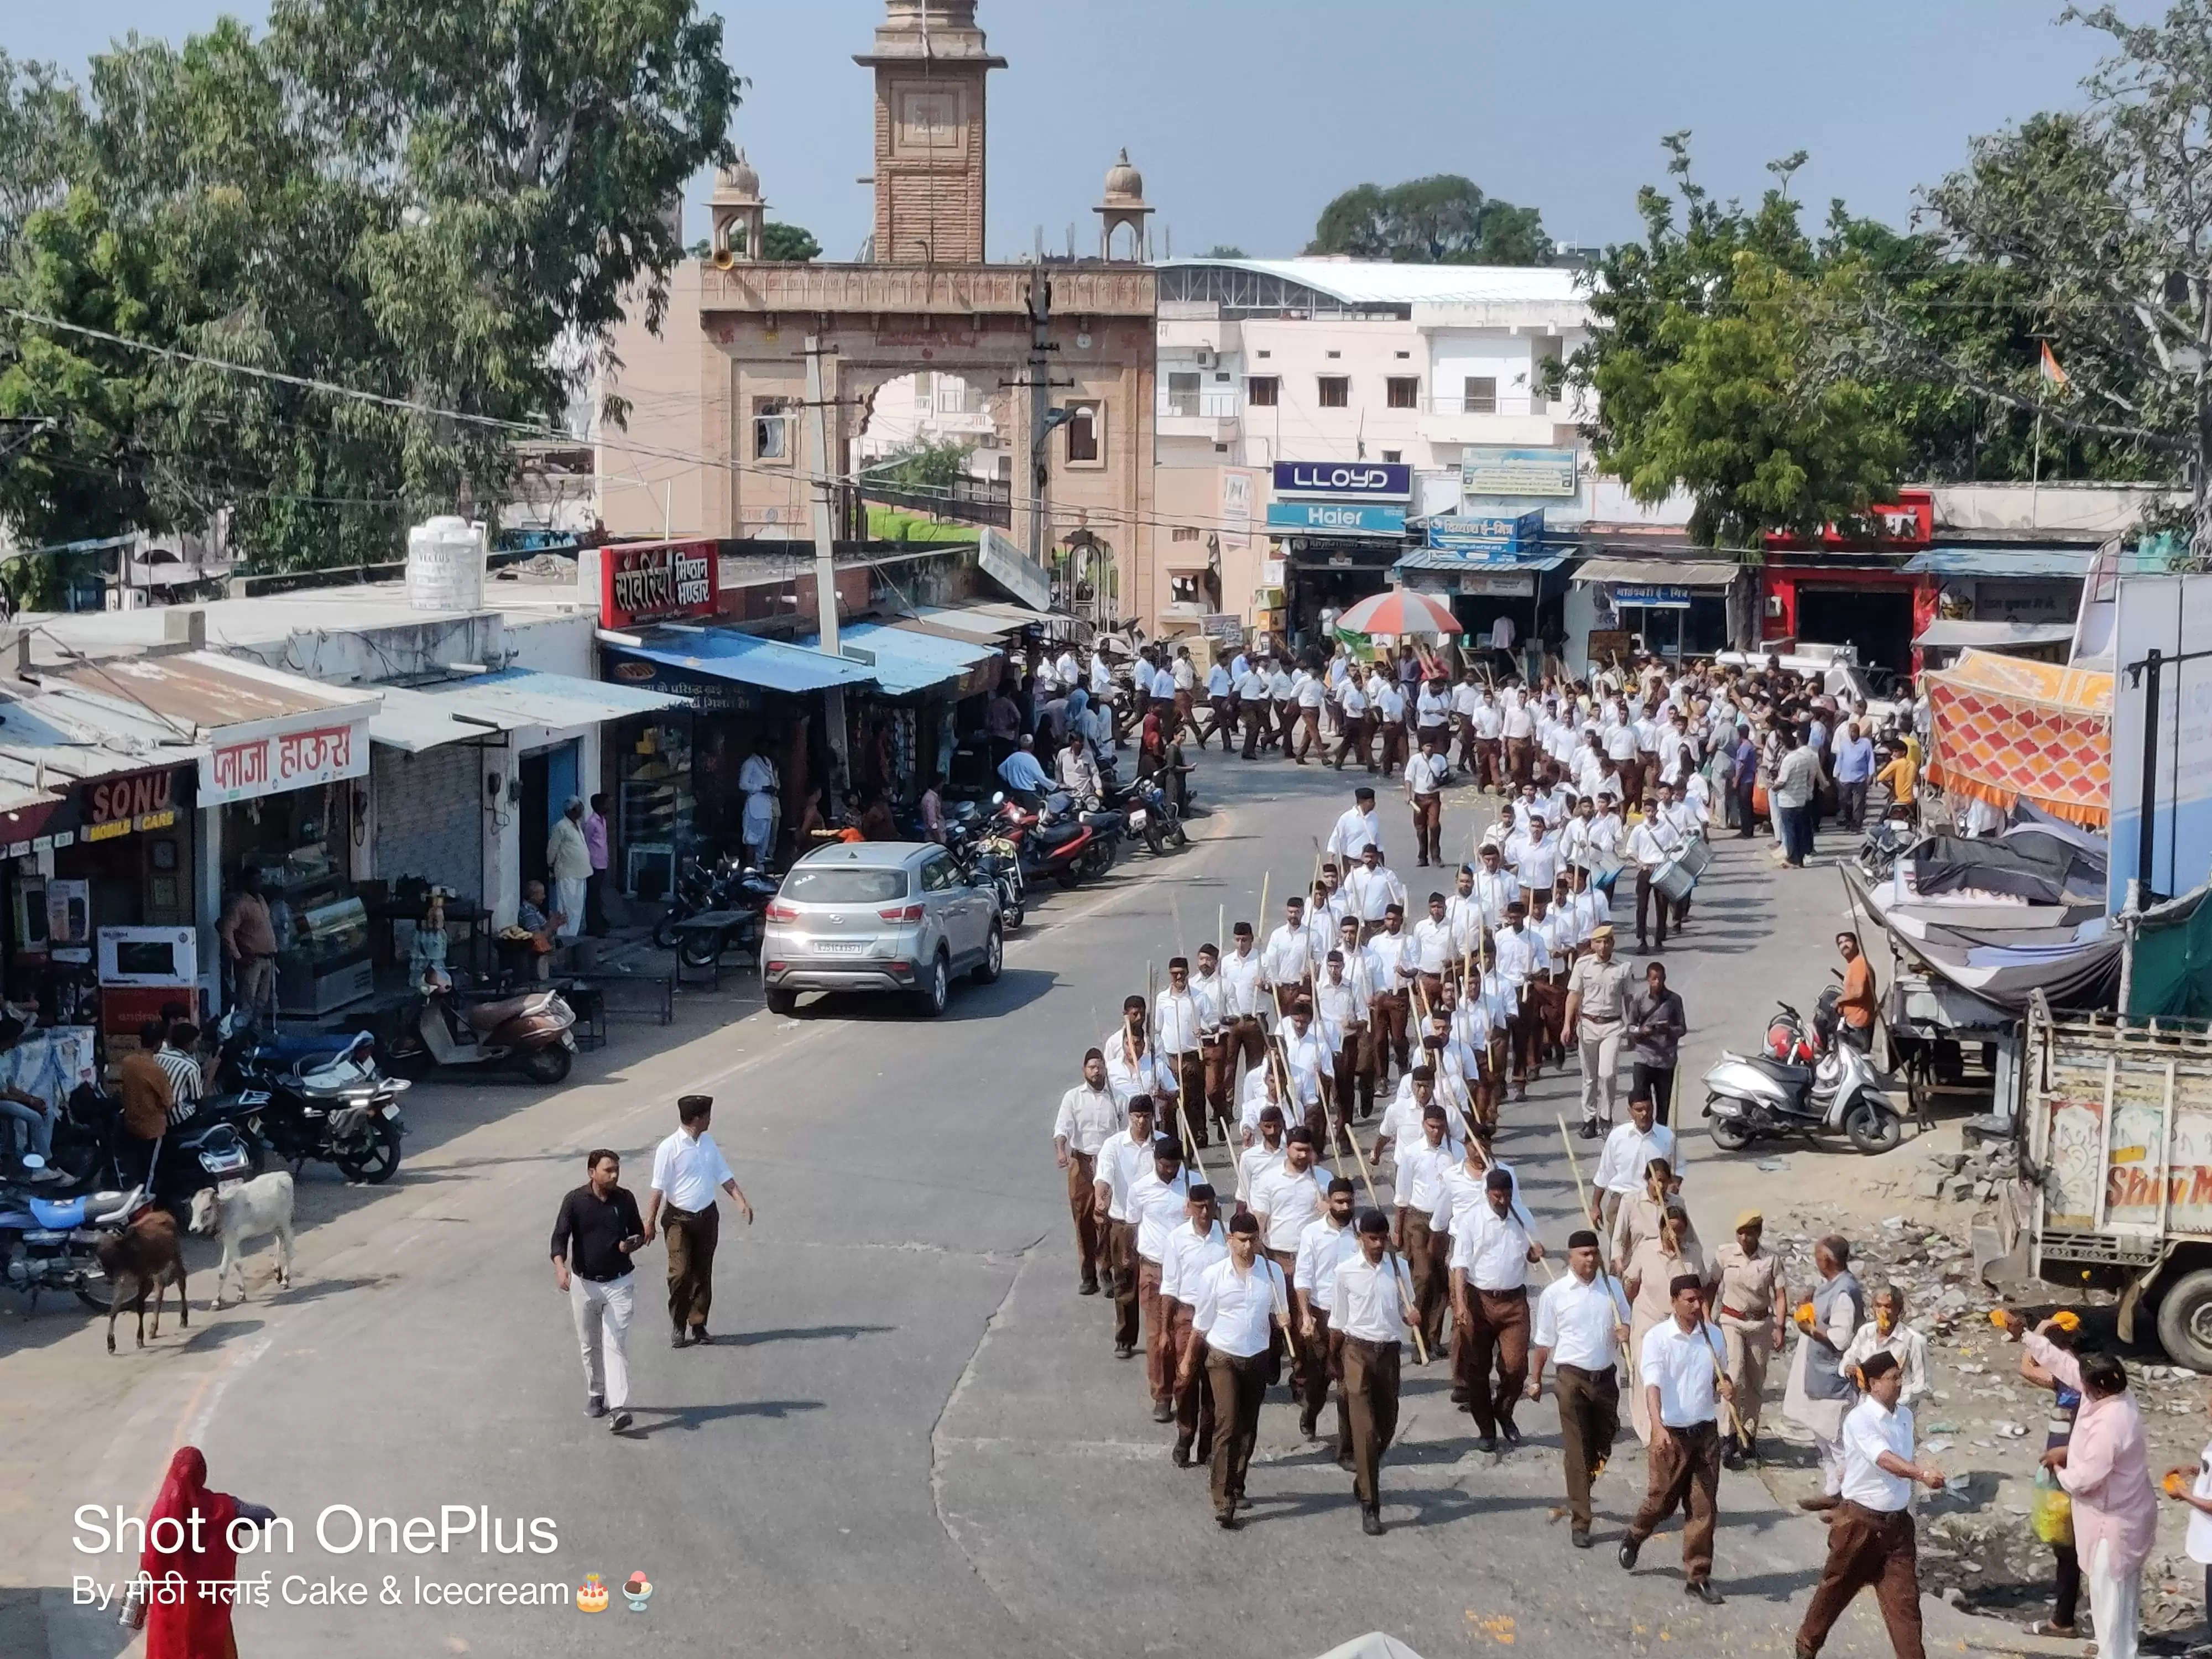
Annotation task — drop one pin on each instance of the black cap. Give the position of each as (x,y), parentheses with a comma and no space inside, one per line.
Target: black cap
(1582,1239)
(1374,1221)
(1498,1180)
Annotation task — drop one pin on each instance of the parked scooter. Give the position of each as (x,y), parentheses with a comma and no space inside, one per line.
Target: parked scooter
(336,1109)
(1806,1084)
(530,1032)
(49,1244)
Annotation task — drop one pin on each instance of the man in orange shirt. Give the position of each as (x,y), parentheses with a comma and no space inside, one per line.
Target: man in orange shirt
(1855,1010)
(148,1097)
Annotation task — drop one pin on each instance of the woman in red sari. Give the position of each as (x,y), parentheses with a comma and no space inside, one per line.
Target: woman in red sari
(186,1624)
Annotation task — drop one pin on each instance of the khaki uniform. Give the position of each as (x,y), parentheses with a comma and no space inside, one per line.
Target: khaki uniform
(1745,1316)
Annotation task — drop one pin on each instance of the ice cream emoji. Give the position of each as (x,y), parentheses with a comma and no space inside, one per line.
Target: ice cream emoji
(637,1591)
(592,1594)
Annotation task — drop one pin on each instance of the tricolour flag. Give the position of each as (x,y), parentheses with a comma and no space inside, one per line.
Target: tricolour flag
(2050,370)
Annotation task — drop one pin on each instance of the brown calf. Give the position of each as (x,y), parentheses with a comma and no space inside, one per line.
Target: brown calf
(144,1257)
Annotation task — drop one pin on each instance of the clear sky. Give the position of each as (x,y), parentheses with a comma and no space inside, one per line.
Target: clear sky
(1247,117)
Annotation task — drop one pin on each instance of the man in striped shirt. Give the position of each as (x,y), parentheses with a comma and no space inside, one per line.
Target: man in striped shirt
(174,1057)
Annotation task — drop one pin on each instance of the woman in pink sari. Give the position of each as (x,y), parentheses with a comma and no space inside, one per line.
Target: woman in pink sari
(2104,1468)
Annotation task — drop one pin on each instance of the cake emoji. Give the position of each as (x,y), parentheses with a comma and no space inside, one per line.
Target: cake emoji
(637,1591)
(592,1594)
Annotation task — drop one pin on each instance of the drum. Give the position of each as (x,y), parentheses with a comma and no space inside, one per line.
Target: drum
(1674,880)
(1695,857)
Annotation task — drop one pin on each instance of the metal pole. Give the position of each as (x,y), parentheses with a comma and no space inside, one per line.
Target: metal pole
(2146,831)
(1040,406)
(825,554)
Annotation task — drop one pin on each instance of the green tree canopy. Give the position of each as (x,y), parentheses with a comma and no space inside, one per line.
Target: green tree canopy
(1441,220)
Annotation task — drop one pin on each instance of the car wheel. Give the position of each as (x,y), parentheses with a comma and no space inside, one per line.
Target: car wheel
(781,1001)
(937,990)
(995,959)
(2184,1321)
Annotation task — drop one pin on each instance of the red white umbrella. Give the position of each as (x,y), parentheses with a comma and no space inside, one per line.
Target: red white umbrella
(1400,610)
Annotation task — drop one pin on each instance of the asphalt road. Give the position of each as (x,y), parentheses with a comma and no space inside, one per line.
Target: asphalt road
(912,1437)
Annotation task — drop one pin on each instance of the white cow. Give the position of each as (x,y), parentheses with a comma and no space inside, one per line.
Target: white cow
(241,1210)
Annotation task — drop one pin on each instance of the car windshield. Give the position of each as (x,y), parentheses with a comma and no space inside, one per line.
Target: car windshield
(844,886)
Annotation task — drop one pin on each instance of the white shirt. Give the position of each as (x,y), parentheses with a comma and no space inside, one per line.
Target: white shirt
(1422,1168)
(1681,1364)
(1870,1430)
(1577,1322)
(1492,1250)
(1519,722)
(1311,692)
(1087,1117)
(1307,1057)
(1516,955)
(1537,862)
(1355,832)
(1187,1256)
(1627,1150)
(1121,1160)
(1366,974)
(1372,1298)
(1321,1249)
(1240,982)
(1466,698)
(1288,954)
(1373,892)
(1425,773)
(1182,676)
(1390,702)
(1337,1008)
(1353,701)
(1648,846)
(1233,1308)
(1156,1206)
(1179,1018)
(1286,1202)
(1466,1195)
(1252,685)
(1257,1162)
(1217,681)
(1149,1076)
(687,1172)
(1493,890)
(1489,721)
(1430,708)
(1210,989)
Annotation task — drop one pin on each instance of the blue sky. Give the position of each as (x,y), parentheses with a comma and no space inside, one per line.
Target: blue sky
(1246,116)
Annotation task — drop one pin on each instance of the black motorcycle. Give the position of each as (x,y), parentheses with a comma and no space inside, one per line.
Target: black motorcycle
(700,886)
(737,915)
(93,1153)
(335,1110)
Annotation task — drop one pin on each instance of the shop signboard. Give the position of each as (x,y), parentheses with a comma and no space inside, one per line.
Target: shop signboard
(657,581)
(1225,626)
(1490,470)
(1455,533)
(1651,596)
(138,801)
(1364,481)
(1496,585)
(1335,519)
(245,763)
(708,693)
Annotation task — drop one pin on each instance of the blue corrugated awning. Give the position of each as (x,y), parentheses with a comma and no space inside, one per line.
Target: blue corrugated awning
(770,665)
(1435,558)
(906,662)
(2002,562)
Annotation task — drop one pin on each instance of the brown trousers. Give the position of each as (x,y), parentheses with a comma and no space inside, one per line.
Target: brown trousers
(1255,727)
(1686,1471)
(1190,1095)
(1516,761)
(1221,1080)
(1288,1260)
(1393,747)
(1496,1336)
(1490,762)
(1223,710)
(1321,1366)
(1309,734)
(691,1236)
(1867,1547)
(1358,740)
(1159,1380)
(1238,1386)
(1083,1209)
(1429,828)
(1355,1073)
(1469,752)
(1424,1249)
(1193,1406)
(1121,1264)
(1589,1418)
(1389,1028)
(1369,1404)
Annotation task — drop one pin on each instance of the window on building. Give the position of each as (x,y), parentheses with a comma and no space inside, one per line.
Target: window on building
(1404,391)
(1261,391)
(1086,434)
(772,429)
(1403,356)
(1336,354)
(1221,377)
(1267,354)
(1392,456)
(1481,397)
(925,386)
(1335,392)
(1182,589)
(1183,393)
(1184,532)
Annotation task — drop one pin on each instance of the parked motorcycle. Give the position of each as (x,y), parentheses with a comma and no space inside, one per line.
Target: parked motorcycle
(700,886)
(981,852)
(530,1032)
(94,1155)
(49,1244)
(736,917)
(1152,816)
(1806,1083)
(1058,842)
(336,1110)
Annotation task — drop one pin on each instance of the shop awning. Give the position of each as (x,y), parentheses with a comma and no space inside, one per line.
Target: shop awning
(1659,573)
(487,705)
(906,662)
(2028,561)
(983,621)
(1437,558)
(745,659)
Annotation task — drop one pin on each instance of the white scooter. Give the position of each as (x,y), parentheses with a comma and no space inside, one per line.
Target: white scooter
(1809,1087)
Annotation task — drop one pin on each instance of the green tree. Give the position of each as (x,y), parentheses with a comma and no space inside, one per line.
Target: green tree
(1440,220)
(1224,250)
(932,468)
(788,244)
(1712,361)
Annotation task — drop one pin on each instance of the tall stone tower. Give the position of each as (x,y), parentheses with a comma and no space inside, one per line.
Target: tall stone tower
(930,61)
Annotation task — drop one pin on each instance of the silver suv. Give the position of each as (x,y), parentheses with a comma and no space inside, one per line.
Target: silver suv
(878,916)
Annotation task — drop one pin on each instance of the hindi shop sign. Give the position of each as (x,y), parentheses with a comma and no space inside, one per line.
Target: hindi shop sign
(657,581)
(1455,533)
(245,763)
(1488,470)
(1365,480)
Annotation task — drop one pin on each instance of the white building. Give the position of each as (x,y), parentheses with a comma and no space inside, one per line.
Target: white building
(927,408)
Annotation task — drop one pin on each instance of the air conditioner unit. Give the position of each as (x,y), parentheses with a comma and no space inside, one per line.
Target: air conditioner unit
(1207,359)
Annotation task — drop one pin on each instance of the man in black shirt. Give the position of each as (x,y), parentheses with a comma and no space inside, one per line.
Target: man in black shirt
(593,1238)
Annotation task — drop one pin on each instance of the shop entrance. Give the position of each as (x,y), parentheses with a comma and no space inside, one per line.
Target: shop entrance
(549,778)
(1877,620)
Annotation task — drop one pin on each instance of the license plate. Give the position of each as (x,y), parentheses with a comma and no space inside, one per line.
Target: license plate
(1137,819)
(841,947)
(222,1163)
(390,1112)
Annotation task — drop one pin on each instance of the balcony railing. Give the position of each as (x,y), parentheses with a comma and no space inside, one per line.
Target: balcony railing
(969,501)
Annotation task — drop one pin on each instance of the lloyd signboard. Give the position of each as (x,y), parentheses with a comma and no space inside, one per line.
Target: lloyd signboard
(657,581)
(1334,519)
(1364,480)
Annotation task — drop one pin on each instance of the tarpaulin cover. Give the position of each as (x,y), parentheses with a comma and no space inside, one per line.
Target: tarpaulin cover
(2042,872)
(2172,974)
(2005,729)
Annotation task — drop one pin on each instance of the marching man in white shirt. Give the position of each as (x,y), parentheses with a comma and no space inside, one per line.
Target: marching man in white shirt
(1133,1067)
(1422,1166)
(1490,1254)
(1372,887)
(1424,782)
(1628,1152)
(1267,1152)
(1191,1250)
(1220,706)
(1156,1202)
(1679,1370)
(1373,1309)
(1240,1303)
(1356,828)
(1650,845)
(1089,1115)
(1242,1041)
(1180,1023)
(1288,958)
(1120,1161)
(688,1169)
(1870,1535)
(1355,725)
(1581,1322)
(1321,1246)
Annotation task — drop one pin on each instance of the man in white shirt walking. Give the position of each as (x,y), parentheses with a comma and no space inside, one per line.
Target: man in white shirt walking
(1870,1535)
(1088,1115)
(1581,1322)
(1324,1243)
(1425,783)
(1356,828)
(1373,1309)
(1490,1260)
(1241,1301)
(687,1169)
(1680,1368)
(1629,1150)
(1122,1159)
(1180,1023)
(1191,1249)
